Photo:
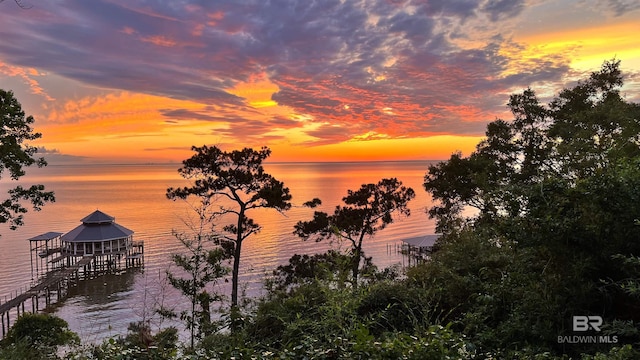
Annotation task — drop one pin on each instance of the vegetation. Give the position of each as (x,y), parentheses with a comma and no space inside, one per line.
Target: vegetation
(202,266)
(367,211)
(36,336)
(553,234)
(239,178)
(15,154)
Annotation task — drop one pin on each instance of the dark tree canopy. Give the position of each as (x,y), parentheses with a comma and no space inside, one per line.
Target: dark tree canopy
(238,179)
(366,211)
(15,155)
(556,194)
(582,131)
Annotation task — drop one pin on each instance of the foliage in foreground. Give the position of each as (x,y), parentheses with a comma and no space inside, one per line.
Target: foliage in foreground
(366,211)
(451,307)
(202,268)
(36,336)
(555,234)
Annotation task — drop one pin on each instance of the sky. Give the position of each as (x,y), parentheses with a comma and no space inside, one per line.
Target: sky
(325,80)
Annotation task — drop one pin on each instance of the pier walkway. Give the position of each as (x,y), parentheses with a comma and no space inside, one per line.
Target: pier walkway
(54,280)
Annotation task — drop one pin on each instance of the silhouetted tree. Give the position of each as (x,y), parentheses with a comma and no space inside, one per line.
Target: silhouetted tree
(367,211)
(15,154)
(238,178)
(557,193)
(583,131)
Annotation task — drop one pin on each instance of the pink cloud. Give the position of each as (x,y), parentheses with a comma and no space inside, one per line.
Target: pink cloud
(352,70)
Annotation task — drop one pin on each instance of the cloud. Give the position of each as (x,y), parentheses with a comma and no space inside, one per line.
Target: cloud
(27,76)
(55,157)
(182,148)
(44,150)
(451,8)
(186,114)
(359,70)
(256,128)
(499,9)
(622,7)
(84,41)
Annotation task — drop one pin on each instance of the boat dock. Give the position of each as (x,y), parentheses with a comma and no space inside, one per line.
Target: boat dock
(56,282)
(415,250)
(58,261)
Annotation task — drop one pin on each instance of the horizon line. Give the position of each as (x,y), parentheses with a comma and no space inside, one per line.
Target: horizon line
(151,163)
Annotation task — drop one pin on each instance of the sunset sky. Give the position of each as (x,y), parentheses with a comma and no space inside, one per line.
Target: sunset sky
(325,80)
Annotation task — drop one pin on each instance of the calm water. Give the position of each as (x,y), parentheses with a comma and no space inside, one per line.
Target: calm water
(135,196)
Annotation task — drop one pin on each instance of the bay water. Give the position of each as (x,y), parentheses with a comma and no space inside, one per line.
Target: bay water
(135,195)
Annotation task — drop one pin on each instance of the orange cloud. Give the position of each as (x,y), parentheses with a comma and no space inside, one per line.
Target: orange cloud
(139,126)
(130,126)
(128,30)
(427,148)
(26,74)
(339,79)
(257,91)
(215,17)
(118,125)
(588,46)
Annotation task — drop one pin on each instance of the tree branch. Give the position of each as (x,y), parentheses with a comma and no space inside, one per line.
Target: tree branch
(20,4)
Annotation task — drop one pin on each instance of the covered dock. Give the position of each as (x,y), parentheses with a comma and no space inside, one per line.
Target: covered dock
(97,246)
(418,249)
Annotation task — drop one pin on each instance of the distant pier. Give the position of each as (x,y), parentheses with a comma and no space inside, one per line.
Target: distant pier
(415,250)
(58,261)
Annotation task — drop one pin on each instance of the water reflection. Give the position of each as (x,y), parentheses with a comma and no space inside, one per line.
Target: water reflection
(105,289)
(135,195)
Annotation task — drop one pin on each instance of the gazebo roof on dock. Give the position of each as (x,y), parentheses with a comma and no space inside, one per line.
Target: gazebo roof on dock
(97,226)
(98,217)
(46,236)
(425,241)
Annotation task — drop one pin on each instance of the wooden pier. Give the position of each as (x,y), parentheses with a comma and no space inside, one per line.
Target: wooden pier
(414,250)
(56,282)
(96,247)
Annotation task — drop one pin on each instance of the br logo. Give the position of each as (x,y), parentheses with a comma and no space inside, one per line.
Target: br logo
(585,323)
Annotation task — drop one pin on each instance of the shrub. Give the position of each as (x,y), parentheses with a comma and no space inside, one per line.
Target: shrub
(36,336)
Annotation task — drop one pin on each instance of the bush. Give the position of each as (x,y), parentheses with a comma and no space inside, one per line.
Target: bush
(36,336)
(395,307)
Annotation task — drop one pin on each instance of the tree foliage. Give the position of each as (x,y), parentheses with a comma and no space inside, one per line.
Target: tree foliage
(332,267)
(555,194)
(366,211)
(36,336)
(583,132)
(153,346)
(202,267)
(15,155)
(237,183)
